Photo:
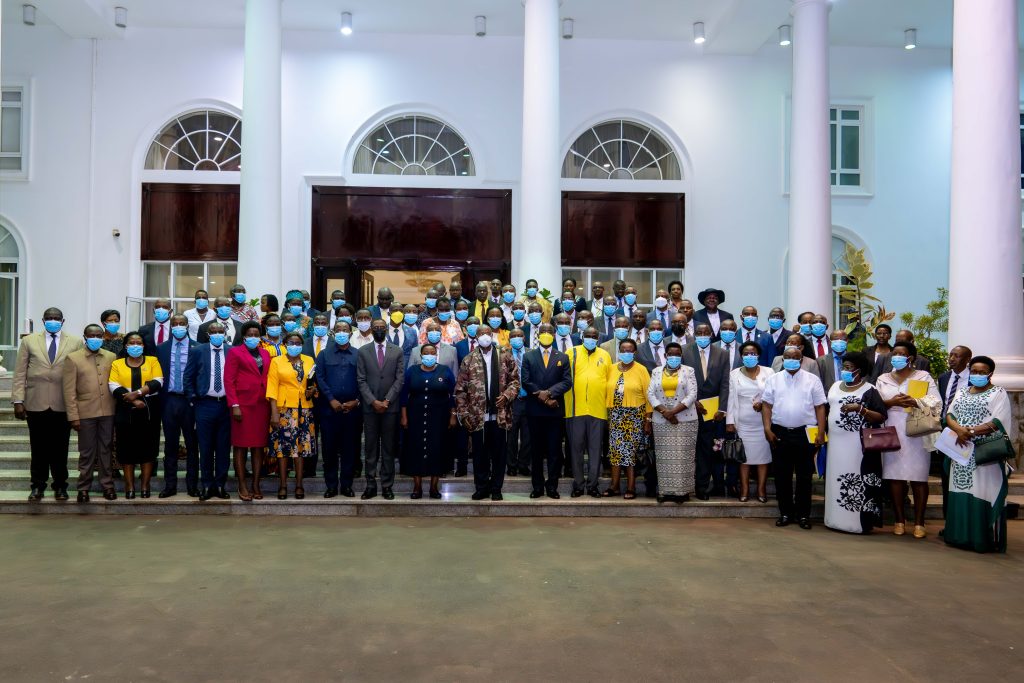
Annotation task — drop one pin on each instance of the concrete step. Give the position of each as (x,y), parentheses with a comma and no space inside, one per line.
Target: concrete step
(11,427)
(16,443)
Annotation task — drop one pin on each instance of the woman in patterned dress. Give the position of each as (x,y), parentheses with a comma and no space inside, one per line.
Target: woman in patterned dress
(853,478)
(672,393)
(629,420)
(976,513)
(291,412)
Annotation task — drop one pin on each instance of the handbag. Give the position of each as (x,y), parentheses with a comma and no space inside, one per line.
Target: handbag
(994,447)
(879,439)
(924,420)
(733,450)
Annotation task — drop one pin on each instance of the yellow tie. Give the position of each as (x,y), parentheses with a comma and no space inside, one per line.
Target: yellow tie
(546,352)
(704,364)
(317,352)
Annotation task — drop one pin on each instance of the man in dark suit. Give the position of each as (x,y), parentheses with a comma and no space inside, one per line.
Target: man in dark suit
(710,366)
(711,315)
(661,310)
(748,332)
(546,378)
(318,338)
(178,415)
(380,372)
(729,343)
(232,328)
(338,412)
(205,387)
(401,335)
(158,331)
(651,353)
(605,322)
(380,310)
(950,383)
(830,366)
(883,364)
(679,332)
(777,330)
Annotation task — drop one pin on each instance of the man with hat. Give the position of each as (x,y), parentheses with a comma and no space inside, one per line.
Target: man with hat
(711,315)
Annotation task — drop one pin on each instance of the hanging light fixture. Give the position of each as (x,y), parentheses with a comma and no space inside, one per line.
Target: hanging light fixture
(346,23)
(785,35)
(481,26)
(120,17)
(568,28)
(910,39)
(28,15)
(698,33)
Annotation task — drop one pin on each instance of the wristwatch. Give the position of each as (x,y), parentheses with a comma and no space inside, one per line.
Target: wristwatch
(970,430)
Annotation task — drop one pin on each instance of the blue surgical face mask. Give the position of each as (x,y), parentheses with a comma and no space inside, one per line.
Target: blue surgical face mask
(630,299)
(239,297)
(749,361)
(750,321)
(411,318)
(535,318)
(472,329)
(290,325)
(274,331)
(898,362)
(563,330)
(135,350)
(305,304)
(518,315)
(791,364)
(346,319)
(567,305)
(656,336)
(112,328)
(320,330)
(978,380)
(223,312)
(495,323)
(461,315)
(429,360)
(673,362)
(217,339)
(846,376)
(202,304)
(818,329)
(703,341)
(53,326)
(179,331)
(626,357)
(337,303)
(444,316)
(93,343)
(508,297)
(295,310)
(251,343)
(341,338)
(775,323)
(728,336)
(621,333)
(431,302)
(434,336)
(531,292)
(161,314)
(294,350)
(589,343)
(609,310)
(517,343)
(805,329)
(582,325)
(839,346)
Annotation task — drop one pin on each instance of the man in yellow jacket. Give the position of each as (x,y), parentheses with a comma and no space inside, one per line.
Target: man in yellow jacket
(586,412)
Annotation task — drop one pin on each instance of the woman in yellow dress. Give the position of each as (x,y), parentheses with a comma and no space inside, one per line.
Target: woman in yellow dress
(290,394)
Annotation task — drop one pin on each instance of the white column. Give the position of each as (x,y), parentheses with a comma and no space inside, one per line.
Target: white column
(538,250)
(810,201)
(986,307)
(259,220)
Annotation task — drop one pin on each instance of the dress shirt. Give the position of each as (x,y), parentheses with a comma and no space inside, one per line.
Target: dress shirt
(563,344)
(679,340)
(400,331)
(638,335)
(821,346)
(837,365)
(534,333)
(214,350)
(54,340)
(628,310)
(319,344)
(487,356)
(157,327)
(195,319)
(658,351)
(715,320)
(746,335)
(175,373)
(793,397)
(359,340)
(705,356)
(731,350)
(689,328)
(229,331)
(776,334)
(665,316)
(506,312)
(961,380)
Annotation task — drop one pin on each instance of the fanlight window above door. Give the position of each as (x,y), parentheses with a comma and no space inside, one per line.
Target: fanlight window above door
(414,145)
(621,150)
(205,140)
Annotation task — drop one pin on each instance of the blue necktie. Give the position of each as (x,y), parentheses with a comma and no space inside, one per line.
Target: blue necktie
(218,382)
(52,351)
(175,379)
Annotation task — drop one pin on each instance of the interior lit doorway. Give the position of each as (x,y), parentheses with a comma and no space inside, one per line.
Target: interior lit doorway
(408,286)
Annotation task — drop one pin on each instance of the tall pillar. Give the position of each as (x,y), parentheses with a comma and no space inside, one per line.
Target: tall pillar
(810,200)
(259,220)
(986,306)
(538,252)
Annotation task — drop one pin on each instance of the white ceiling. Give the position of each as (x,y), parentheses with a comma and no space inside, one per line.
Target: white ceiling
(732,26)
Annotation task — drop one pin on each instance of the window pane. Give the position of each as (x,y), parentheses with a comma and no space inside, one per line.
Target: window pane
(832,114)
(663,277)
(182,305)
(641,279)
(10,130)
(221,278)
(10,163)
(580,276)
(832,142)
(833,178)
(605,277)
(851,115)
(188,277)
(849,179)
(156,280)
(8,267)
(11,96)
(851,148)
(8,312)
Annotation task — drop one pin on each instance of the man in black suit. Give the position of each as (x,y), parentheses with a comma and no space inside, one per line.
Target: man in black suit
(710,365)
(156,333)
(777,330)
(546,378)
(950,382)
(232,328)
(380,373)
(713,316)
(204,386)
(178,415)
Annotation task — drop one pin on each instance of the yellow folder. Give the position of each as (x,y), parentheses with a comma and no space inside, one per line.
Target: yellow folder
(711,406)
(917,388)
(812,434)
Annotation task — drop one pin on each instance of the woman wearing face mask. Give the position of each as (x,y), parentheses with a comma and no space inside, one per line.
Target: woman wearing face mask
(912,461)
(629,417)
(427,399)
(245,383)
(273,335)
(294,305)
(495,327)
(241,309)
(853,478)
(291,412)
(113,340)
(135,382)
(743,418)
(672,393)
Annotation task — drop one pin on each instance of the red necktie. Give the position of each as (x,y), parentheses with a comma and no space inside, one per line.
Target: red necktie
(160,337)
(821,348)
(472,345)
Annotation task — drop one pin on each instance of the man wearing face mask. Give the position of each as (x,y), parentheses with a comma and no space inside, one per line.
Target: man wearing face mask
(630,305)
(241,310)
(451,330)
(158,331)
(619,291)
(728,343)
(232,328)
(711,314)
(362,335)
(605,320)
(819,340)
(748,332)
(586,412)
(830,366)
(547,377)
(563,332)
(651,354)
(379,311)
(178,416)
(777,330)
(803,326)
(661,311)
(680,327)
(711,369)
(38,396)
(204,385)
(339,415)
(535,316)
(401,335)
(201,313)
(619,332)
(567,307)
(487,384)
(508,297)
(90,409)
(517,440)
(807,364)
(519,321)
(531,295)
(380,372)
(319,337)
(338,300)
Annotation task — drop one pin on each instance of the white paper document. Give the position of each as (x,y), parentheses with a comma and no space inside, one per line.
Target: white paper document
(946,443)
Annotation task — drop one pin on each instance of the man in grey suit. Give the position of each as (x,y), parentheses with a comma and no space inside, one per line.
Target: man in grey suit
(809,364)
(730,343)
(710,364)
(651,353)
(380,371)
(831,364)
(661,310)
(446,354)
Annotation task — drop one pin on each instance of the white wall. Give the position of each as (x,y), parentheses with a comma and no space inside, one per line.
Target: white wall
(727,111)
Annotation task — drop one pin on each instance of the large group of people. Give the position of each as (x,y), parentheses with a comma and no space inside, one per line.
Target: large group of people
(691,400)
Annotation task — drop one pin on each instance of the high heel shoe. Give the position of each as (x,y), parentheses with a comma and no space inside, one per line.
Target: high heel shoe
(417,494)
(435,494)
(144,494)
(129,495)
(282,493)
(300,493)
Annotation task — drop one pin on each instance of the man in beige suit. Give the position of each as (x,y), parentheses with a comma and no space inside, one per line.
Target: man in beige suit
(90,407)
(38,396)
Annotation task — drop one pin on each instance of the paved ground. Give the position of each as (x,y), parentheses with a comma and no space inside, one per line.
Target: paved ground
(311,599)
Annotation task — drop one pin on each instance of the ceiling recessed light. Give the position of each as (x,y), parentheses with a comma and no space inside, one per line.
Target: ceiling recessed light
(785,35)
(910,39)
(346,23)
(698,33)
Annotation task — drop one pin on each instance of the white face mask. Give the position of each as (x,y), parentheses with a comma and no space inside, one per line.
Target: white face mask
(661,302)
(363,325)
(484,340)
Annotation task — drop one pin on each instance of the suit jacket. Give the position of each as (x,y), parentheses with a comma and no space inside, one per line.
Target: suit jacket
(163,356)
(446,356)
(701,316)
(196,378)
(765,341)
(203,335)
(376,312)
(38,384)
(645,357)
(655,315)
(411,336)
(307,346)
(808,364)
(471,390)
(556,378)
(717,381)
(86,392)
(148,334)
(827,370)
(246,384)
(737,357)
(601,323)
(883,364)
(378,383)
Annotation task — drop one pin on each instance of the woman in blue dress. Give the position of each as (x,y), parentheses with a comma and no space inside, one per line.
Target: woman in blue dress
(427,399)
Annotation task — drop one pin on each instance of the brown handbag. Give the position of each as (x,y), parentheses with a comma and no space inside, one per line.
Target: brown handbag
(879,439)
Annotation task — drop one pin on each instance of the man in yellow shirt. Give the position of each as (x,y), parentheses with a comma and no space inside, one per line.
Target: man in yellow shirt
(586,412)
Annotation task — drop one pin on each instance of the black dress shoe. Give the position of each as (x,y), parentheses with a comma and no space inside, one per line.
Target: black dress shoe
(205,494)
(60,494)
(110,494)
(222,493)
(36,494)
(480,495)
(594,492)
(348,493)
(805,523)
(194,493)
(553,494)
(576,493)
(524,472)
(783,520)
(497,496)
(683,499)
(536,493)
(368,494)
(702,496)
(167,493)
(330,493)
(129,495)
(145,493)
(388,494)
(661,499)
(83,497)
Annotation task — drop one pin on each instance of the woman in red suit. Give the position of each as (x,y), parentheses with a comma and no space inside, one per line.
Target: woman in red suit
(245,383)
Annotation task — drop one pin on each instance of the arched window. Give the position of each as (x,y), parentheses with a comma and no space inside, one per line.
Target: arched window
(205,140)
(414,145)
(10,260)
(621,150)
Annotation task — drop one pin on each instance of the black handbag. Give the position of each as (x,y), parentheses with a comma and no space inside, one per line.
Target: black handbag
(733,450)
(994,447)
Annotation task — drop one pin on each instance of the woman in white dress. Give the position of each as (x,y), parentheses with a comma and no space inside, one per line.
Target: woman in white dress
(853,478)
(912,461)
(743,417)
(672,393)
